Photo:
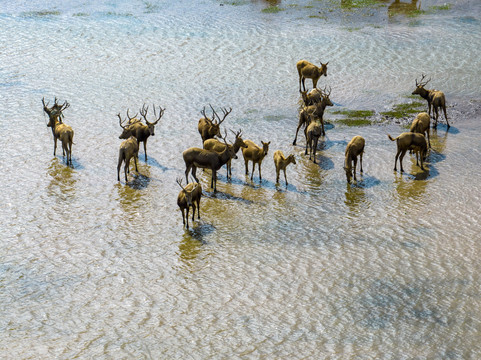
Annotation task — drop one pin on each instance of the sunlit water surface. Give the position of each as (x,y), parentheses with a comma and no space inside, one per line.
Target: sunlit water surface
(92,268)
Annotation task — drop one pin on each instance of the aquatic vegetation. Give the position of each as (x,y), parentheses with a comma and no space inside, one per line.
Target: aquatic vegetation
(41,13)
(403,110)
(272,9)
(355,117)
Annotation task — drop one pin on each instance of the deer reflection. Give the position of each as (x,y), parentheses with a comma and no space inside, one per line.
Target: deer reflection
(356,200)
(62,183)
(403,8)
(411,189)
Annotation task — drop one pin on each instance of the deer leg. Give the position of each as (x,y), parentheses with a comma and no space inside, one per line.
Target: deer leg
(303,83)
(118,168)
(360,160)
(322,127)
(277,176)
(187,216)
(260,174)
(395,159)
(285,176)
(193,212)
(253,168)
(54,145)
(445,116)
(198,209)
(214,180)
(126,169)
(194,172)
(401,159)
(246,162)
(145,149)
(354,163)
(187,169)
(183,217)
(135,162)
(315,148)
(229,169)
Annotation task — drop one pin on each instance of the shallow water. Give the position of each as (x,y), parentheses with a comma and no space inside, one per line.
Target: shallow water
(93,268)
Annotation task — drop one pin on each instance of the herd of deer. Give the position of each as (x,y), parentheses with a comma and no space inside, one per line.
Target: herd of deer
(216,153)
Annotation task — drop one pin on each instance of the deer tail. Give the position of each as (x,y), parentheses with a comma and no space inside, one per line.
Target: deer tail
(390,138)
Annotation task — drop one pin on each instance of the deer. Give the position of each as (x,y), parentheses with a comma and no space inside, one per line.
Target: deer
(209,128)
(281,162)
(354,148)
(420,125)
(255,154)
(312,132)
(435,99)
(310,97)
(207,159)
(317,110)
(311,71)
(128,149)
(410,141)
(216,145)
(188,197)
(140,131)
(59,129)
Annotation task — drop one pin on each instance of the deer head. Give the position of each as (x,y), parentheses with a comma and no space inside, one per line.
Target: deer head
(157,117)
(325,97)
(55,112)
(187,193)
(238,143)
(323,68)
(420,86)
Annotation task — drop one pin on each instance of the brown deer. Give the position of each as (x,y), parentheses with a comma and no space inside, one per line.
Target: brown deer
(128,149)
(188,197)
(255,154)
(216,145)
(135,127)
(435,99)
(420,125)
(316,110)
(313,131)
(207,159)
(354,148)
(310,71)
(410,141)
(59,129)
(311,97)
(209,128)
(281,162)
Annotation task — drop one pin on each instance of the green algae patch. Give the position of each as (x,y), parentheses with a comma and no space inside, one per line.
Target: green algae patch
(272,10)
(400,111)
(354,117)
(41,13)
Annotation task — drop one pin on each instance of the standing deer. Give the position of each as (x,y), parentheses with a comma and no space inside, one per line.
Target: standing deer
(435,98)
(128,149)
(188,197)
(311,97)
(209,128)
(410,141)
(216,145)
(255,154)
(354,148)
(420,125)
(59,129)
(310,71)
(316,110)
(207,159)
(281,162)
(313,131)
(135,127)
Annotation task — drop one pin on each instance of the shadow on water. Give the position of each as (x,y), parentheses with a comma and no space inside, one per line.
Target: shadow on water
(139,182)
(365,182)
(153,162)
(411,186)
(225,196)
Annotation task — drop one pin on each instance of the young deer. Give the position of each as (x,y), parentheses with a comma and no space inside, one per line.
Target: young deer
(420,125)
(209,128)
(255,154)
(281,162)
(216,145)
(128,149)
(59,129)
(140,131)
(435,99)
(310,71)
(354,148)
(188,197)
(410,141)
(207,159)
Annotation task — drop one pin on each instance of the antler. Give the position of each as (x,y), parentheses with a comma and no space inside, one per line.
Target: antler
(144,111)
(121,121)
(237,134)
(324,92)
(421,81)
(226,112)
(132,118)
(179,181)
(225,137)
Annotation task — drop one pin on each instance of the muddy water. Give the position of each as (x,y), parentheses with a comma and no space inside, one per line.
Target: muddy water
(93,268)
